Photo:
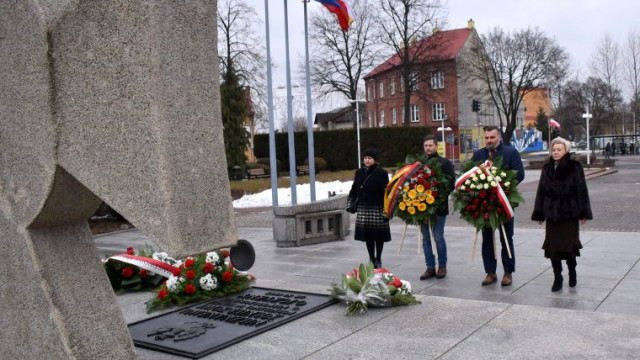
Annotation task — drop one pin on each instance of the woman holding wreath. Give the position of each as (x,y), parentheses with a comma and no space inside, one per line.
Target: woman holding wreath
(562,200)
(366,198)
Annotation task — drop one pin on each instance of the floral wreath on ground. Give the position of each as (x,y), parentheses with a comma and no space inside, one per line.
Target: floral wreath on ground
(412,193)
(197,278)
(485,194)
(367,286)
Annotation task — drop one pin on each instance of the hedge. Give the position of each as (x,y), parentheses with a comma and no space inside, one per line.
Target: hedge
(339,147)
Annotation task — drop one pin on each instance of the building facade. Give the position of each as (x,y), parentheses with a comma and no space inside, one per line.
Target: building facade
(443,92)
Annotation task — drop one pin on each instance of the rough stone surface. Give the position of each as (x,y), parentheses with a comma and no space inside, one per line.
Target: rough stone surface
(113,101)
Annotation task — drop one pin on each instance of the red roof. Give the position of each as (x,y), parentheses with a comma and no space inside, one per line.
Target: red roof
(441,46)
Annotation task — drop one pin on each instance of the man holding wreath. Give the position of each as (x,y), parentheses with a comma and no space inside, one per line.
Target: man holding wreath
(510,161)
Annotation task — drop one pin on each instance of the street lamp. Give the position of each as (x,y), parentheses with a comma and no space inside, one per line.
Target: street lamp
(357,125)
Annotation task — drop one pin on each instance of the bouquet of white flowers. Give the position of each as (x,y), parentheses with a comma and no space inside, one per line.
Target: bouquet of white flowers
(368,287)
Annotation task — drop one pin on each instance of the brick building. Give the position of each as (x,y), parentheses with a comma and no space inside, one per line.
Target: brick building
(443,95)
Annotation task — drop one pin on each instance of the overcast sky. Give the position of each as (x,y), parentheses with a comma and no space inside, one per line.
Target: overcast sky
(577,26)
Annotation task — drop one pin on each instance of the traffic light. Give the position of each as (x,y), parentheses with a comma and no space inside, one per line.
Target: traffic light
(475,105)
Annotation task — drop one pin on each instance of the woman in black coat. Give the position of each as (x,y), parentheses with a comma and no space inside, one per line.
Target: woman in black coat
(367,199)
(563,201)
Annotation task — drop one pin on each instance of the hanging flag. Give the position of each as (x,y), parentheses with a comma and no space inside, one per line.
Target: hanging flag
(554,123)
(342,10)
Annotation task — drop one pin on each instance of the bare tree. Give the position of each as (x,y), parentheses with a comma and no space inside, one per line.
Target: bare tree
(403,26)
(239,44)
(344,55)
(631,68)
(605,65)
(512,65)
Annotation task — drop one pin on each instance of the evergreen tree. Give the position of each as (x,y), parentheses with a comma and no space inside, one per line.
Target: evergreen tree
(542,124)
(234,109)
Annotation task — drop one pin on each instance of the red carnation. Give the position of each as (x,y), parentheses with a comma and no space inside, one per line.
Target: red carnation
(476,201)
(189,262)
(189,289)
(485,203)
(483,194)
(421,181)
(475,215)
(162,294)
(468,208)
(227,276)
(508,192)
(434,193)
(486,216)
(130,250)
(396,282)
(142,273)
(191,274)
(207,268)
(490,208)
(224,253)
(499,210)
(127,272)
(434,183)
(492,196)
(468,190)
(177,271)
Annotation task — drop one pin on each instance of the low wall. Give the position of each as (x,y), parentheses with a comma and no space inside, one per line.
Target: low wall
(311,223)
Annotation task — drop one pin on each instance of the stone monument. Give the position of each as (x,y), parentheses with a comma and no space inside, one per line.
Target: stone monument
(105,100)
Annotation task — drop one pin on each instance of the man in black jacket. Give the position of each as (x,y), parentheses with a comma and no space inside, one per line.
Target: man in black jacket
(430,145)
(511,161)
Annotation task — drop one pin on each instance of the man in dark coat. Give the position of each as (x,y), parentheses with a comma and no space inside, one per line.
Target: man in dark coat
(511,161)
(367,199)
(430,145)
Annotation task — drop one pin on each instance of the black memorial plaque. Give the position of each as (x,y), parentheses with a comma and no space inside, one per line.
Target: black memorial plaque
(209,326)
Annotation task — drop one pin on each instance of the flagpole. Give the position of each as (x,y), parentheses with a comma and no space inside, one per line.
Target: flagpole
(272,136)
(292,151)
(312,163)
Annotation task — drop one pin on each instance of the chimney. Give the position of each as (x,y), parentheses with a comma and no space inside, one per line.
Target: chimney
(435,29)
(471,24)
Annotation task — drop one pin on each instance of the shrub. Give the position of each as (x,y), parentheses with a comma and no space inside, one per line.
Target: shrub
(267,161)
(320,163)
(262,166)
(236,193)
(250,165)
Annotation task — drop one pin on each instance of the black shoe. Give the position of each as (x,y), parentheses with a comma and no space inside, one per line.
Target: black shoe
(557,284)
(377,264)
(573,280)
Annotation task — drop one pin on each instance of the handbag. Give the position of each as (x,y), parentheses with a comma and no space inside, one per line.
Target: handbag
(353,208)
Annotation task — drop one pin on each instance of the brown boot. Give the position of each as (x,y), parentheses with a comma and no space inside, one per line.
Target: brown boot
(490,279)
(428,274)
(442,272)
(506,279)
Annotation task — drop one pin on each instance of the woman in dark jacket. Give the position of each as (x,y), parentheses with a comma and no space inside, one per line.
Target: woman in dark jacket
(367,199)
(563,201)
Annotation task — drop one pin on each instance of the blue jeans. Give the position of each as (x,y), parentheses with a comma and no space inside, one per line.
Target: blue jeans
(441,247)
(488,255)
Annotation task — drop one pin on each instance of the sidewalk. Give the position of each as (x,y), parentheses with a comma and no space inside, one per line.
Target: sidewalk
(458,318)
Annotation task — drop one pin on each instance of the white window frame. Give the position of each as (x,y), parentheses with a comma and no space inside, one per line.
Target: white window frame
(437,111)
(414,81)
(437,80)
(392,86)
(403,111)
(381,90)
(375,119)
(369,97)
(394,115)
(369,120)
(381,123)
(401,84)
(415,113)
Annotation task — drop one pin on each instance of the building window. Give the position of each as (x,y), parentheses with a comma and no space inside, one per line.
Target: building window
(437,111)
(413,81)
(437,80)
(369,97)
(375,120)
(415,113)
(381,124)
(394,114)
(401,84)
(381,91)
(392,86)
(369,120)
(403,111)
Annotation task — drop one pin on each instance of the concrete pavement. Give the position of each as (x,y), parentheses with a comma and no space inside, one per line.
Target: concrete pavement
(458,318)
